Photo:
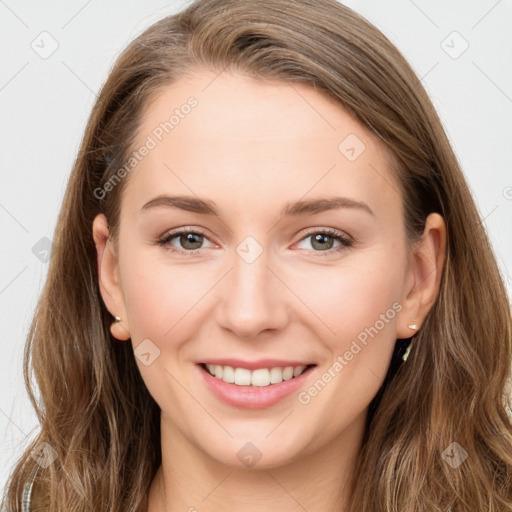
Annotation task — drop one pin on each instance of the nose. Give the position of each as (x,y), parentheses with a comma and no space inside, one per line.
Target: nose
(253,298)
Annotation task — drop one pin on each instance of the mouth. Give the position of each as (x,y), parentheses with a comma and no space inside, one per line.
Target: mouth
(263,385)
(257,377)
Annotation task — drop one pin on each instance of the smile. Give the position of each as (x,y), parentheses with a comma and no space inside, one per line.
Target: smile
(254,388)
(260,377)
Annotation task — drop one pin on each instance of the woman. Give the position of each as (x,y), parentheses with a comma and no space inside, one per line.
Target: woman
(259,366)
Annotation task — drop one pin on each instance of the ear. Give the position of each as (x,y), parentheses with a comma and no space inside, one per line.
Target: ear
(108,276)
(423,279)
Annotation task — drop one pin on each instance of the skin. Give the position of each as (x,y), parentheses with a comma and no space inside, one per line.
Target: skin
(252,146)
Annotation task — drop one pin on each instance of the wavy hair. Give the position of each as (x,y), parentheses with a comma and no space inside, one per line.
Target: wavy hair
(94,409)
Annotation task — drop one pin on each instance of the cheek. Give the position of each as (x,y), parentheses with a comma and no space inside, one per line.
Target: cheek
(162,302)
(352,297)
(360,304)
(157,295)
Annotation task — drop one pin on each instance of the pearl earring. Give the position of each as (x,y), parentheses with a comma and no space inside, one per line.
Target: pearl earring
(117,319)
(118,330)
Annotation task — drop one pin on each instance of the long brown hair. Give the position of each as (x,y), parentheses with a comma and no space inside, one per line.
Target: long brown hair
(94,409)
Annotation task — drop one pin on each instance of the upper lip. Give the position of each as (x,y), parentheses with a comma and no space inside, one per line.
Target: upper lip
(254,365)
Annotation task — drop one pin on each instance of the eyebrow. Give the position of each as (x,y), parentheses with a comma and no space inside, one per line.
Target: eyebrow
(292,209)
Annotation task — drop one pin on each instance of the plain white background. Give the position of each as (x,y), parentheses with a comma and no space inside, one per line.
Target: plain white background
(55,55)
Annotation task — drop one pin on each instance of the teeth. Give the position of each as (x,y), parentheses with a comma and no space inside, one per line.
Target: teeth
(276,375)
(242,377)
(261,377)
(218,371)
(298,370)
(226,373)
(288,373)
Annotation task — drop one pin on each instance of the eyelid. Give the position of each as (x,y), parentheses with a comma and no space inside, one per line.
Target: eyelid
(331,231)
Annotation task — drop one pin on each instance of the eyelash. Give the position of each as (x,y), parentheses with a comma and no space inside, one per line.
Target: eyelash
(165,241)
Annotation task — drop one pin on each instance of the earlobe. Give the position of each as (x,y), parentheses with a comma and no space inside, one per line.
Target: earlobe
(108,276)
(423,283)
(117,329)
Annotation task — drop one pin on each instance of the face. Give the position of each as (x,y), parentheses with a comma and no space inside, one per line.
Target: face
(274,278)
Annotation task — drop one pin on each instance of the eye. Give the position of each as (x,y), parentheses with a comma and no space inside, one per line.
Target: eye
(190,240)
(323,241)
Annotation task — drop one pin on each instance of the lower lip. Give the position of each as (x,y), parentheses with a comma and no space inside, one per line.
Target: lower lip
(253,397)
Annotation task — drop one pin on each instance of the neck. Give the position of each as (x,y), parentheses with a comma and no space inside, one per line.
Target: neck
(317,481)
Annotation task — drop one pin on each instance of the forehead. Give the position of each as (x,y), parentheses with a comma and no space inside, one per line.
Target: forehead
(213,135)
